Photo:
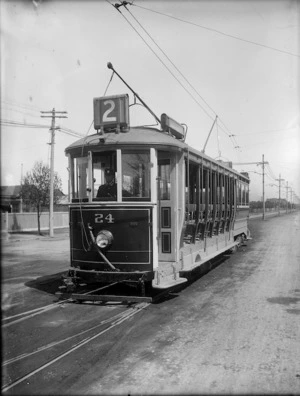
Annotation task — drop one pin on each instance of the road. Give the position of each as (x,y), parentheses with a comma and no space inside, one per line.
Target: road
(235,330)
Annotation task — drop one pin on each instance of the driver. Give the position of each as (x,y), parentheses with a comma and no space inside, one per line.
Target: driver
(109,189)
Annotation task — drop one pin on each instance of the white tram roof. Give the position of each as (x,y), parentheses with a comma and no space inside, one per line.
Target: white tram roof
(140,137)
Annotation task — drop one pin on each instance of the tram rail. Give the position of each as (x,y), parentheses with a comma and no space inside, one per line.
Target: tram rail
(37,311)
(102,327)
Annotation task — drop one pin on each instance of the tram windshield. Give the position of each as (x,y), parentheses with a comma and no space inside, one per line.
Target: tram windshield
(95,177)
(135,175)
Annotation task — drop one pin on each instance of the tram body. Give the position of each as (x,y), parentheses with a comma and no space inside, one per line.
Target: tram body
(175,208)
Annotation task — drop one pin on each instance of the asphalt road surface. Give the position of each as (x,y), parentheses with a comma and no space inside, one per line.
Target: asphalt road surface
(233,331)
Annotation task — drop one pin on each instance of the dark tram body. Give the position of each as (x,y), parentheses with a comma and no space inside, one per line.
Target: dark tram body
(174,208)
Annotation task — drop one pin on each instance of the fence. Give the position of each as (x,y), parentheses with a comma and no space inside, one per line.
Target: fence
(20,222)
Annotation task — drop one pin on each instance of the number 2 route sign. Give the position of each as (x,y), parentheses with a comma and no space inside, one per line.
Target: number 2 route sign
(111,112)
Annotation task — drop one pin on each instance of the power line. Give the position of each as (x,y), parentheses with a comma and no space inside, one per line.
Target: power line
(22,106)
(182,75)
(21,111)
(124,3)
(220,32)
(26,125)
(21,124)
(169,70)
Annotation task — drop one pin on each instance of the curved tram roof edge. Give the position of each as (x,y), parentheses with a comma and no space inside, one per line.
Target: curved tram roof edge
(142,136)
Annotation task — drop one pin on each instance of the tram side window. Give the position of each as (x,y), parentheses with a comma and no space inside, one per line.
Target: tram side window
(247,193)
(204,189)
(136,175)
(164,172)
(239,194)
(191,191)
(81,175)
(243,194)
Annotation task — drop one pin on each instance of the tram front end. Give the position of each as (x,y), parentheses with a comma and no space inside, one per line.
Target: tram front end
(111,243)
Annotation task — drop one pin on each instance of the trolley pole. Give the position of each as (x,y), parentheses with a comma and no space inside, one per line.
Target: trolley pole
(54,114)
(279,180)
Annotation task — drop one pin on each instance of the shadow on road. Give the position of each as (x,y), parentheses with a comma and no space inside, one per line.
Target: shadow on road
(48,284)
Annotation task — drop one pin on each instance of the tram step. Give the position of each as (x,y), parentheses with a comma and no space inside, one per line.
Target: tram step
(169,283)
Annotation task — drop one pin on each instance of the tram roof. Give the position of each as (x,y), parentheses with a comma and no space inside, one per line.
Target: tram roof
(138,136)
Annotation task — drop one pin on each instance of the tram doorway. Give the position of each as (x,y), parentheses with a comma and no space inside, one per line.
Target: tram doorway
(170,217)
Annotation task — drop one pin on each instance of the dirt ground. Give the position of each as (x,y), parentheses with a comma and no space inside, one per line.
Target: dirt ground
(233,331)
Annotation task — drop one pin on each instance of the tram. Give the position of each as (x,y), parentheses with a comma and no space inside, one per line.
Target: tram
(166,209)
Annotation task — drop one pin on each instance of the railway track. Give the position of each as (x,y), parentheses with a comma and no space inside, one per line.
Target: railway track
(77,340)
(20,317)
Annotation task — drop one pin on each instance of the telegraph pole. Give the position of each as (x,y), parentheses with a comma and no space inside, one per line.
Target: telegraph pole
(279,180)
(287,201)
(21,199)
(53,115)
(263,177)
(263,186)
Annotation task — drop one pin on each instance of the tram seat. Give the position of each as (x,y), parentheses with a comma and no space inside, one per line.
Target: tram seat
(190,232)
(222,226)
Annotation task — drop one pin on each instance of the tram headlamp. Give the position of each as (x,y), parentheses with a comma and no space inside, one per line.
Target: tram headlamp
(104,238)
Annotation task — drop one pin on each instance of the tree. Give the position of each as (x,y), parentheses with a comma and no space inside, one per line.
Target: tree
(35,190)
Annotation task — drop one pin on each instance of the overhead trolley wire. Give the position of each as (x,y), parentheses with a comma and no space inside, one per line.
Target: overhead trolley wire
(271,172)
(231,136)
(169,70)
(219,32)
(183,76)
(173,64)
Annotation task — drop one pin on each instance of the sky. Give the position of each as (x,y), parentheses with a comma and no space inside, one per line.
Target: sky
(193,60)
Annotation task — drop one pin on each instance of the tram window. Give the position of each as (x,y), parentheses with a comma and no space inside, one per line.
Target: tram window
(239,195)
(136,175)
(243,194)
(205,190)
(164,172)
(81,175)
(192,192)
(101,161)
(247,194)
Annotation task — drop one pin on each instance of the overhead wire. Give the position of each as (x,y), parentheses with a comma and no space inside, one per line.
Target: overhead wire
(169,70)
(21,124)
(182,75)
(20,111)
(173,64)
(27,125)
(234,143)
(22,106)
(219,32)
(269,172)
